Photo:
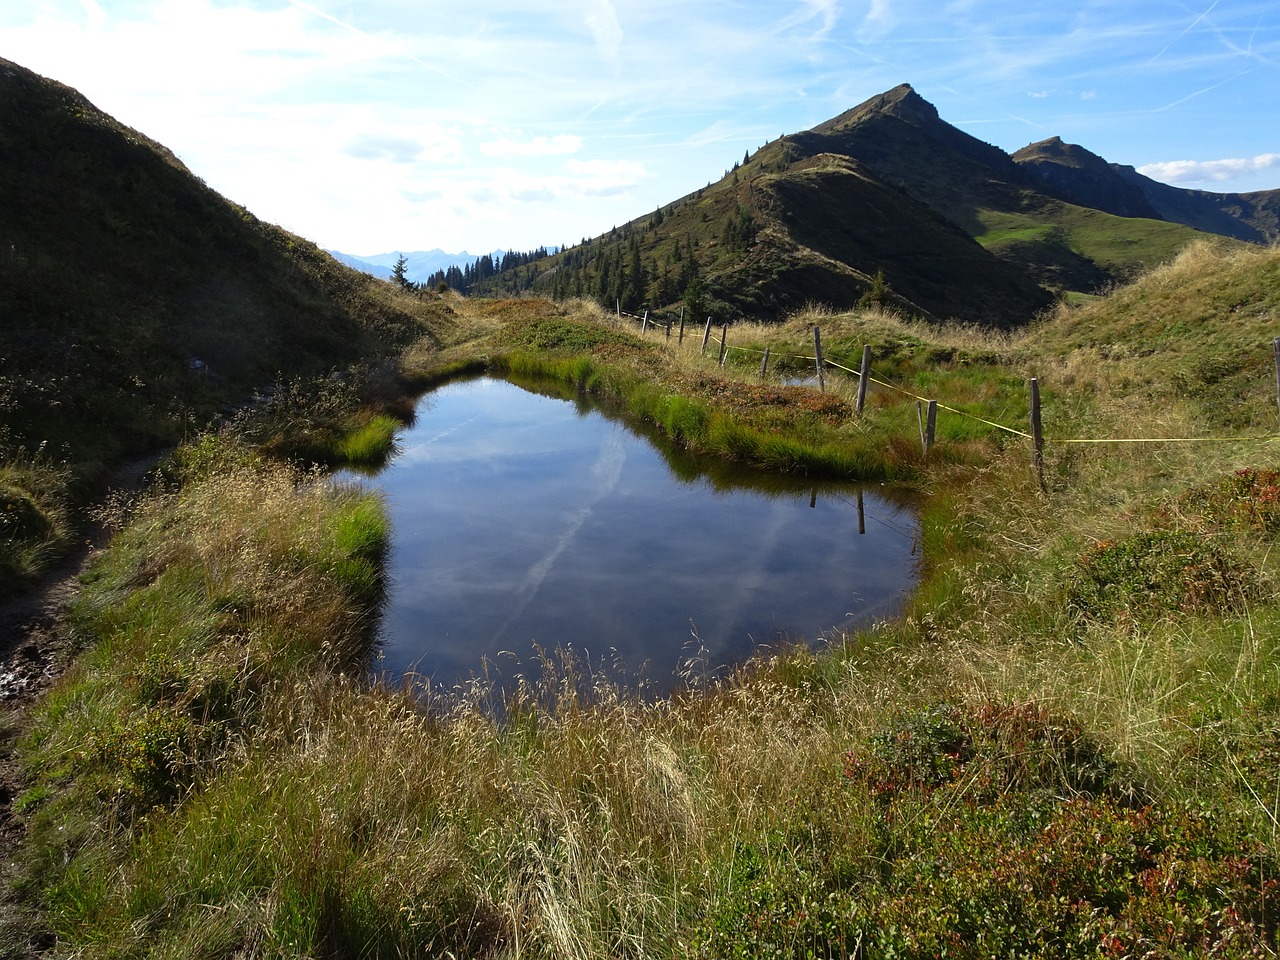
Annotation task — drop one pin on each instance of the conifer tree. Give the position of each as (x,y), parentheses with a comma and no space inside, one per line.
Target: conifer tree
(399,274)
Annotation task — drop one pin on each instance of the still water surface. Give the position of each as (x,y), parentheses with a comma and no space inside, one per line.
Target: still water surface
(524,520)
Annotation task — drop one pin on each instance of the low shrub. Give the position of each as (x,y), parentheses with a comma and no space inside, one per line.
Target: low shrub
(1153,574)
(996,829)
(993,749)
(1246,499)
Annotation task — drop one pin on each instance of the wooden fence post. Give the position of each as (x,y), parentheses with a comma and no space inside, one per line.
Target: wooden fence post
(862,517)
(669,326)
(705,334)
(619,309)
(920,422)
(644,324)
(817,349)
(764,364)
(1037,434)
(680,341)
(724,343)
(930,426)
(1275,348)
(863,373)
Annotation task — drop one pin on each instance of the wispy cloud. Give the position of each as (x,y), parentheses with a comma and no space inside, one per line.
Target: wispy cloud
(877,21)
(723,131)
(375,147)
(505,148)
(1201,92)
(825,12)
(1209,171)
(345,25)
(605,177)
(602,21)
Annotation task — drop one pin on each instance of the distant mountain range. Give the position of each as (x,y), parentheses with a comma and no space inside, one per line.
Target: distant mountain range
(419,264)
(888,193)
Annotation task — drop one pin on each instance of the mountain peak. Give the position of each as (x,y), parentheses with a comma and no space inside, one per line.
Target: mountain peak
(1057,150)
(901,102)
(1076,175)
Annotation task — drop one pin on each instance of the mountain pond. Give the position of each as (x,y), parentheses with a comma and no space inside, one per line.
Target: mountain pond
(527,521)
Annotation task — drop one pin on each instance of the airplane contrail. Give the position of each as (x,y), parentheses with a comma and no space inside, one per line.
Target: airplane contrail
(1191,27)
(323,15)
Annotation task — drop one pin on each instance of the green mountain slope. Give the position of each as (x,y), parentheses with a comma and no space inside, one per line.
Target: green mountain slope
(955,226)
(777,235)
(134,296)
(921,256)
(901,138)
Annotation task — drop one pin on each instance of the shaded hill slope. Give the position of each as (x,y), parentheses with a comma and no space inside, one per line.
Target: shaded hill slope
(925,259)
(135,297)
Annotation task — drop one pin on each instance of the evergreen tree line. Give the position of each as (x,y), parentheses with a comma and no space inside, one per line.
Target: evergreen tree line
(462,279)
(613,270)
(620,273)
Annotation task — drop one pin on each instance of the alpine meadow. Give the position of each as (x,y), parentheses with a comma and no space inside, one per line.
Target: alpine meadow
(1065,744)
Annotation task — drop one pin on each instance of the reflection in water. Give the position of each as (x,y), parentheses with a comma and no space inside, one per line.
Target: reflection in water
(527,520)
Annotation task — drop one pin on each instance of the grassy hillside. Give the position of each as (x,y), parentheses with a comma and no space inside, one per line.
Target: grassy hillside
(779,233)
(119,269)
(1066,747)
(887,188)
(922,257)
(137,302)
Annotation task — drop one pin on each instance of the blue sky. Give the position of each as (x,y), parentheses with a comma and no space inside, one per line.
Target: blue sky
(382,125)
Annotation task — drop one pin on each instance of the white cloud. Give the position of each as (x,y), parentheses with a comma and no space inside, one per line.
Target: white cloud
(602,178)
(602,21)
(505,148)
(94,14)
(1202,171)
(376,147)
(878,20)
(1038,94)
